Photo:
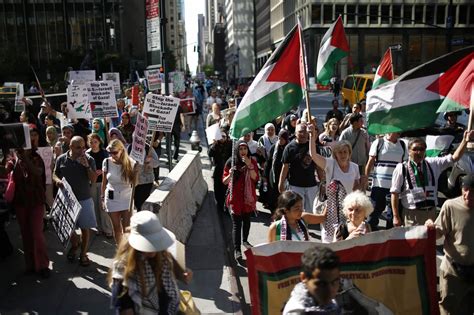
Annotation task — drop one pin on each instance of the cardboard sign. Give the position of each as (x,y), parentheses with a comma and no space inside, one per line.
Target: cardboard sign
(14,136)
(177,78)
(154,79)
(64,213)
(114,77)
(188,106)
(213,132)
(102,99)
(81,76)
(161,111)
(78,105)
(139,139)
(46,154)
(20,93)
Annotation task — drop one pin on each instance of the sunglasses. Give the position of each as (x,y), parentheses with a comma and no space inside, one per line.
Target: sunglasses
(114,152)
(420,149)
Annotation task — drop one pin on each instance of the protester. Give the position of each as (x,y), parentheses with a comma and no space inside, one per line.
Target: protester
(320,277)
(289,123)
(359,140)
(114,133)
(240,172)
(213,98)
(143,275)
(178,127)
(268,139)
(334,112)
(220,151)
(115,122)
(273,168)
(65,139)
(99,154)
(417,179)
(330,135)
(384,155)
(29,199)
(356,109)
(299,168)
(290,220)
(357,207)
(79,169)
(98,127)
(199,98)
(116,189)
(214,116)
(126,128)
(146,176)
(456,222)
(51,136)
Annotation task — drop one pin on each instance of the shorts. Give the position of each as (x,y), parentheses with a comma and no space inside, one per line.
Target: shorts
(86,218)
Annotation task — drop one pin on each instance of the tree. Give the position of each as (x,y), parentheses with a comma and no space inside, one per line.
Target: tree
(208,70)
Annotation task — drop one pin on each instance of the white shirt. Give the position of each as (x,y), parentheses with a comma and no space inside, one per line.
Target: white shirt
(389,155)
(346,179)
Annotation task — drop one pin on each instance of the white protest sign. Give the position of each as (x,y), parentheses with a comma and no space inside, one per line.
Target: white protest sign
(81,76)
(170,88)
(78,105)
(114,77)
(161,111)
(20,93)
(102,99)
(64,213)
(46,154)
(177,78)
(154,79)
(213,132)
(139,138)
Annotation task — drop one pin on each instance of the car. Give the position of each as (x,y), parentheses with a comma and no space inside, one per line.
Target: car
(355,88)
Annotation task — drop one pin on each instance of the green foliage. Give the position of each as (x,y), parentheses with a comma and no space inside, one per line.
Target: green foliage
(208,70)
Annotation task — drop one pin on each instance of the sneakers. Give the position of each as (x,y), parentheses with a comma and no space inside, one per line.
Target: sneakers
(247,244)
(237,255)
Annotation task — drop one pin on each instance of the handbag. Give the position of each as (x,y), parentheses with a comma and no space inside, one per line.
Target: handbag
(186,304)
(10,190)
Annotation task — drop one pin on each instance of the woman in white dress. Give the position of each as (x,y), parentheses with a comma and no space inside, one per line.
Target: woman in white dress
(117,187)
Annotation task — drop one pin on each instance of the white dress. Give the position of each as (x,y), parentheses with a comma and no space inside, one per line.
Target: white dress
(122,191)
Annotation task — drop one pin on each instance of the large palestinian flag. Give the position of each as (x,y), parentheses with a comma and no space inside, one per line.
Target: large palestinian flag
(409,102)
(384,72)
(333,48)
(277,88)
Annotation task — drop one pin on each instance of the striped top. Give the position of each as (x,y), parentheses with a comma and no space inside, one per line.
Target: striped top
(389,155)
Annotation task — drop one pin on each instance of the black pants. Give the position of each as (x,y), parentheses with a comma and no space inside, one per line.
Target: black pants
(378,196)
(142,192)
(219,191)
(176,134)
(240,227)
(6,248)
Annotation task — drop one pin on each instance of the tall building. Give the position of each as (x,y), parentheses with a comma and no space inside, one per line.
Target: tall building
(202,38)
(240,56)
(263,43)
(176,32)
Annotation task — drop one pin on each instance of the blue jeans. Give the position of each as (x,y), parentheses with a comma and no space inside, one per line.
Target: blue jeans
(378,196)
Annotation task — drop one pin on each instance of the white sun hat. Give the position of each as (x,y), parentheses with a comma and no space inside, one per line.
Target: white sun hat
(147,234)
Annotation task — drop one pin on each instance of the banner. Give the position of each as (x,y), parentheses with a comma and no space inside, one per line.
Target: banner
(78,105)
(46,154)
(139,138)
(177,78)
(160,111)
(392,270)
(114,77)
(81,76)
(154,79)
(14,136)
(188,106)
(64,213)
(102,99)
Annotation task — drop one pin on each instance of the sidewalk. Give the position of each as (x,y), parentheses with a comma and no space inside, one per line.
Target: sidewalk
(75,289)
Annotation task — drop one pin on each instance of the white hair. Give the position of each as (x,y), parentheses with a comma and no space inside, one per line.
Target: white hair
(360,199)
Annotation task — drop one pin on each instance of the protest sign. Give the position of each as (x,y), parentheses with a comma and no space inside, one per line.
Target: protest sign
(78,105)
(114,77)
(20,93)
(46,154)
(188,106)
(154,79)
(213,132)
(139,139)
(102,99)
(64,213)
(81,76)
(15,136)
(152,12)
(392,270)
(161,111)
(177,78)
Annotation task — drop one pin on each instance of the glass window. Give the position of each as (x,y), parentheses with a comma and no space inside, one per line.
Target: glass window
(360,83)
(372,53)
(339,9)
(414,51)
(440,14)
(316,14)
(429,14)
(396,14)
(374,14)
(363,14)
(348,84)
(351,14)
(407,14)
(462,14)
(327,13)
(418,14)
(385,14)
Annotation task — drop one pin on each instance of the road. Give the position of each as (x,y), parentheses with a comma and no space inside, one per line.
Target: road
(320,104)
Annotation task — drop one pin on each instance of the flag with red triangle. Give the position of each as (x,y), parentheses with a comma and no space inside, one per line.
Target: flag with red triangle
(333,48)
(276,89)
(384,71)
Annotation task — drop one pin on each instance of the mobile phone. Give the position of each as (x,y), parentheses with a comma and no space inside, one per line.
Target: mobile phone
(111,194)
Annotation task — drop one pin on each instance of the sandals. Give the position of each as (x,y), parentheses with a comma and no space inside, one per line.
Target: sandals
(71,254)
(84,261)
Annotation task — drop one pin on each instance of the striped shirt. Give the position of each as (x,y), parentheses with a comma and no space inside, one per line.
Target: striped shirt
(389,155)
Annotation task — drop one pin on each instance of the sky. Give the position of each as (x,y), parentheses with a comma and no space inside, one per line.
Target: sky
(191,10)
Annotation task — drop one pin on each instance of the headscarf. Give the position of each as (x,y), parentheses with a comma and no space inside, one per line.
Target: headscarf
(267,141)
(101,131)
(118,133)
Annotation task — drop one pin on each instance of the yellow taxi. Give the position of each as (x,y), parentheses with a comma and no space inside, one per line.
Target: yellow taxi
(355,87)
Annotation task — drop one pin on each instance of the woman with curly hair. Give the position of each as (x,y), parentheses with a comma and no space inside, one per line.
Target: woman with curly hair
(143,275)
(118,177)
(356,208)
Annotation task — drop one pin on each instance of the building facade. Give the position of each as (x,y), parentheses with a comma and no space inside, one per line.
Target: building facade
(263,42)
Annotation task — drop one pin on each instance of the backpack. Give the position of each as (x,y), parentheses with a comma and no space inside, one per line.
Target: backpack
(380,144)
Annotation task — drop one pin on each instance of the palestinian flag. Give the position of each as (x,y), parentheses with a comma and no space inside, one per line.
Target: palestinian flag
(409,102)
(384,72)
(456,84)
(276,89)
(334,47)
(436,144)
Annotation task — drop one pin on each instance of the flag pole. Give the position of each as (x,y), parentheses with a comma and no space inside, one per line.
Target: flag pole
(304,75)
(391,63)
(470,122)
